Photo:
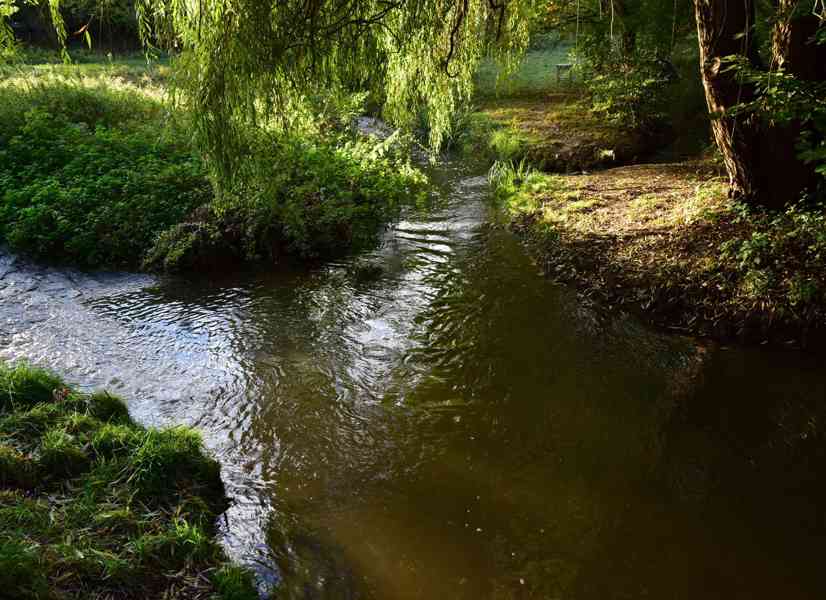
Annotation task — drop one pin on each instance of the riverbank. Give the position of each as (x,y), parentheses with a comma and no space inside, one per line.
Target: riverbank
(99,168)
(548,118)
(94,506)
(664,240)
(554,131)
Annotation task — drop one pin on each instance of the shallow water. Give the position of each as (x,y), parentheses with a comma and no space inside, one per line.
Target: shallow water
(433,419)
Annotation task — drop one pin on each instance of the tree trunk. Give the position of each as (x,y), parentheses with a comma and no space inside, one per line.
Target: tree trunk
(724,29)
(792,47)
(793,52)
(760,156)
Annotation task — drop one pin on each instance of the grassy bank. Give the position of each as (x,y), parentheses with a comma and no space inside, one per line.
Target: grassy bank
(94,506)
(555,132)
(528,115)
(665,240)
(584,120)
(99,169)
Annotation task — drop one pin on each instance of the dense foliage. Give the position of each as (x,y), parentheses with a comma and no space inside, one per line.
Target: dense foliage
(98,172)
(93,505)
(302,195)
(90,173)
(247,61)
(623,50)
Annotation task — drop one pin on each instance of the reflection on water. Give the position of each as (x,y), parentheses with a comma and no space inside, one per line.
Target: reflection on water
(435,420)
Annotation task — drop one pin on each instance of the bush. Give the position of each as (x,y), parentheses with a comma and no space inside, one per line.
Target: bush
(321,196)
(85,179)
(304,195)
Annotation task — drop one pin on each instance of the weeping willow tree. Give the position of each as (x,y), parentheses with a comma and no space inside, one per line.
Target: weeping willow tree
(251,62)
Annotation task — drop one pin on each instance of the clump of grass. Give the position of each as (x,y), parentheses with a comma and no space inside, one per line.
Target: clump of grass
(16,470)
(93,505)
(233,582)
(25,387)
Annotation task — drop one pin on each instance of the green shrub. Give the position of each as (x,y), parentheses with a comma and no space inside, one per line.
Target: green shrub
(98,173)
(783,257)
(73,188)
(629,95)
(304,195)
(80,100)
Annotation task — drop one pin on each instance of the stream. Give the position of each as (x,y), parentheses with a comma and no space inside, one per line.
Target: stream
(433,420)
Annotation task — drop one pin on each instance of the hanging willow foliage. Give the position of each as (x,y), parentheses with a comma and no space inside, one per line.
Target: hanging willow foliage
(251,62)
(248,62)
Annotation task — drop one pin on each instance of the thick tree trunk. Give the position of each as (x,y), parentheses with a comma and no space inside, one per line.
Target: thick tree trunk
(724,29)
(787,176)
(792,47)
(760,156)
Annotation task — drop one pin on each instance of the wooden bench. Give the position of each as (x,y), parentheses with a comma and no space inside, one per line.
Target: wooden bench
(564,68)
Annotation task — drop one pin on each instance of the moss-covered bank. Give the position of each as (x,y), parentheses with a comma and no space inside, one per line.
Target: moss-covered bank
(664,240)
(94,506)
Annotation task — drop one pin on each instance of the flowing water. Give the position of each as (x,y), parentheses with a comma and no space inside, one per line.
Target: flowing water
(434,420)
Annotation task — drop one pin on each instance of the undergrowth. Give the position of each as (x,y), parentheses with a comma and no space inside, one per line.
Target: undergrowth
(101,172)
(666,238)
(92,171)
(94,506)
(303,195)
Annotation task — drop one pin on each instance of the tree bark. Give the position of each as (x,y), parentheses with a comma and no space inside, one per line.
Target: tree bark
(724,29)
(792,47)
(760,155)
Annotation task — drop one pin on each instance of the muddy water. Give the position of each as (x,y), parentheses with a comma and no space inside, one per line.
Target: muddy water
(435,420)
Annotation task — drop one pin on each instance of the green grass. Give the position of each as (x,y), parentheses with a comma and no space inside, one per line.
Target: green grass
(133,68)
(535,74)
(93,505)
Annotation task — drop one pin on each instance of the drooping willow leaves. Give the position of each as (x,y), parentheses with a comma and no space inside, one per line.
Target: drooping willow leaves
(247,62)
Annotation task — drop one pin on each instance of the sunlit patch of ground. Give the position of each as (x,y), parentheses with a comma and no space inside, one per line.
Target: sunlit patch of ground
(667,240)
(531,114)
